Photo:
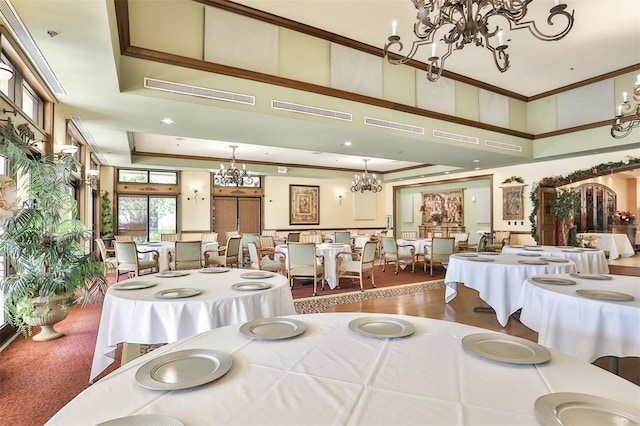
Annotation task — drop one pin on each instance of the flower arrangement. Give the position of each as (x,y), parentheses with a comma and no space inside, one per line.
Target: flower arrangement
(437,217)
(623,217)
(587,241)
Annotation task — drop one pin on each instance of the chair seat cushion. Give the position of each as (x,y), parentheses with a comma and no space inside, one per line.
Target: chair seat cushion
(270,265)
(350,266)
(305,270)
(195,264)
(146,264)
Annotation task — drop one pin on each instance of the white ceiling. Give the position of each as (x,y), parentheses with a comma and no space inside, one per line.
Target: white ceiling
(84,56)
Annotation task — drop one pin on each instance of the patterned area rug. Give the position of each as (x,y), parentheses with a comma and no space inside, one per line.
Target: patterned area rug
(312,305)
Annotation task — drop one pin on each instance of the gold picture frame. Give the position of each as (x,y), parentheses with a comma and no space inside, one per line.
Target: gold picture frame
(304,205)
(447,204)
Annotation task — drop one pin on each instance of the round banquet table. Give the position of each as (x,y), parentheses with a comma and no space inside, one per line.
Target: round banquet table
(616,244)
(138,316)
(331,375)
(583,327)
(588,261)
(329,251)
(498,281)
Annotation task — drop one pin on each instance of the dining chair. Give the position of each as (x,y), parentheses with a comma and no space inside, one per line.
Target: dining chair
(409,235)
(230,254)
(185,255)
(129,261)
(293,237)
(358,244)
(461,241)
(441,249)
(268,233)
(390,254)
(498,240)
(303,263)
(343,237)
(357,268)
(266,246)
(210,237)
(229,234)
(264,263)
(310,238)
(123,237)
(245,249)
(170,237)
(107,255)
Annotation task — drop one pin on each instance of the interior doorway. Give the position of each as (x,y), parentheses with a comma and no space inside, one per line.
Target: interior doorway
(241,214)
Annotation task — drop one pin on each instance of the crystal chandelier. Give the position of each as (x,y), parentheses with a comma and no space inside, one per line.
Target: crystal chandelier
(232,175)
(467,22)
(366,181)
(628,117)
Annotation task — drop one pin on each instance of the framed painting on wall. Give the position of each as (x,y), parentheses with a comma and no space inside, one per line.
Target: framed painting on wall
(304,205)
(446,204)
(512,202)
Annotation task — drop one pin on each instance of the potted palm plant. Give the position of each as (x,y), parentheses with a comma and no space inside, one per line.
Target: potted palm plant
(49,268)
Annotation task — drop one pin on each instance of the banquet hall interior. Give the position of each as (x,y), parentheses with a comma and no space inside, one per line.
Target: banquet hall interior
(275,118)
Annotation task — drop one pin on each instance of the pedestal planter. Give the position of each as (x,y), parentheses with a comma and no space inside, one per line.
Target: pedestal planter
(45,312)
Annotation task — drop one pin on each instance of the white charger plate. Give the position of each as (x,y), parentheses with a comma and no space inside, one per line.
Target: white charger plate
(506,348)
(133,285)
(172,274)
(257,275)
(533,262)
(143,420)
(250,286)
(553,280)
(605,295)
(273,328)
(554,259)
(382,327)
(599,277)
(467,254)
(178,293)
(579,409)
(183,369)
(214,270)
(480,259)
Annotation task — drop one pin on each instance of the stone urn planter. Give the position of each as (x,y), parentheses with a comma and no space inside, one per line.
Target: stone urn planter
(45,312)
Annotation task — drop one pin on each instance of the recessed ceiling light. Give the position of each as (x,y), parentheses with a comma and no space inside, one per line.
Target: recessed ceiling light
(475,161)
(446,173)
(346,143)
(316,152)
(476,168)
(166,121)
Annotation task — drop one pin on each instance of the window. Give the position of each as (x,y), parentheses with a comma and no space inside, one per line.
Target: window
(32,105)
(147,176)
(8,87)
(145,217)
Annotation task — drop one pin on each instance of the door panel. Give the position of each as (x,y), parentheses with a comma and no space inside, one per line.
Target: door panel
(234,213)
(249,214)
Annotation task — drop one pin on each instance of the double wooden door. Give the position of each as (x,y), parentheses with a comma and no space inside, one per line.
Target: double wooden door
(236,214)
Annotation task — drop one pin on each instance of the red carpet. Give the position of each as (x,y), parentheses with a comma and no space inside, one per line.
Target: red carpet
(39,378)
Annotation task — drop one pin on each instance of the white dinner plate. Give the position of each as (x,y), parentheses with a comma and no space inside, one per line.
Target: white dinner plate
(599,277)
(517,246)
(257,275)
(382,327)
(579,409)
(171,274)
(133,285)
(533,262)
(183,369)
(529,254)
(571,250)
(605,295)
(250,286)
(480,259)
(467,255)
(214,270)
(506,348)
(554,259)
(490,253)
(553,280)
(143,420)
(178,293)
(273,328)
(337,245)
(534,248)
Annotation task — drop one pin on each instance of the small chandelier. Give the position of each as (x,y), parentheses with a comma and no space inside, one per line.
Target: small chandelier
(366,181)
(628,117)
(467,21)
(233,176)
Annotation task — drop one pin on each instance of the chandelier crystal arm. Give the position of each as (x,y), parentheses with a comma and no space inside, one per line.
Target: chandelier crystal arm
(628,116)
(558,10)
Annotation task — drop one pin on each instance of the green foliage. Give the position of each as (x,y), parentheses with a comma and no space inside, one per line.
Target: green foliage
(106,231)
(43,240)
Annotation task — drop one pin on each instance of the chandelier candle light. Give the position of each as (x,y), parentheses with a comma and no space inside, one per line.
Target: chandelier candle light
(627,117)
(467,21)
(232,175)
(366,181)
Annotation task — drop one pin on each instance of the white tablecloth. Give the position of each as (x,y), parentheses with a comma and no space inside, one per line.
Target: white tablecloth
(164,248)
(588,261)
(137,316)
(332,376)
(585,328)
(499,282)
(329,251)
(616,244)
(420,244)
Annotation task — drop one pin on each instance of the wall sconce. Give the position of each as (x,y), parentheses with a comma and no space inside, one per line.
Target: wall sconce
(68,149)
(195,189)
(92,178)
(340,195)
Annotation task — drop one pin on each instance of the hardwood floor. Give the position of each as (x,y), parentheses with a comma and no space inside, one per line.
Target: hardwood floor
(430,304)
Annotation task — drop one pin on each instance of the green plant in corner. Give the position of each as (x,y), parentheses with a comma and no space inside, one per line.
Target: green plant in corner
(106,231)
(43,240)
(565,202)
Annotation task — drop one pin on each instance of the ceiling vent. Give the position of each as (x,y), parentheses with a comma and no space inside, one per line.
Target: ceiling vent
(503,145)
(77,121)
(21,33)
(305,109)
(201,92)
(393,125)
(455,137)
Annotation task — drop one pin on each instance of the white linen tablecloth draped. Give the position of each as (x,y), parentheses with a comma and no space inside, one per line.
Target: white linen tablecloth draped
(329,251)
(137,316)
(588,261)
(581,327)
(332,376)
(616,244)
(498,282)
(164,248)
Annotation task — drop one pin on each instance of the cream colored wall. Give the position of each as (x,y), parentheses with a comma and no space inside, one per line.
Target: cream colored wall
(195,217)
(333,213)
